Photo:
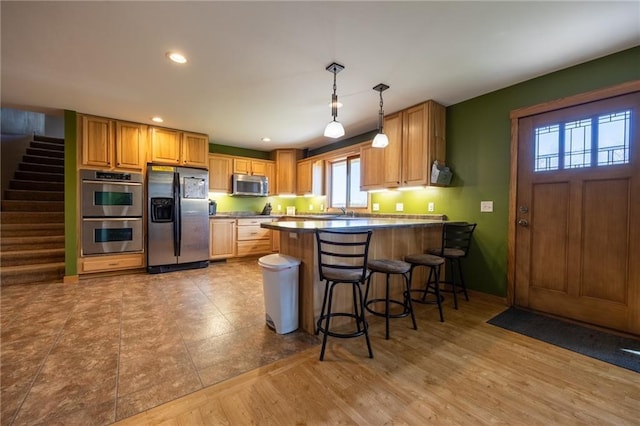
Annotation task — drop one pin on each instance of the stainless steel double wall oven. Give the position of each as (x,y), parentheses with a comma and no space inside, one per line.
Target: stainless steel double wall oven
(112,206)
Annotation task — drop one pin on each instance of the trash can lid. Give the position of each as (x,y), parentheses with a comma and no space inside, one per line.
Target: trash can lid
(278,261)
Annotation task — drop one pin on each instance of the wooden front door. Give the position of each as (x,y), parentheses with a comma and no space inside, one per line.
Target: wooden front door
(577,213)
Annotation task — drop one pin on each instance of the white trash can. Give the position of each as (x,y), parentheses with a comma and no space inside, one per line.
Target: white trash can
(280,284)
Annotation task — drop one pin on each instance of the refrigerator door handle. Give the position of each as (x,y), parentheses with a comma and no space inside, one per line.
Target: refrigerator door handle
(177,223)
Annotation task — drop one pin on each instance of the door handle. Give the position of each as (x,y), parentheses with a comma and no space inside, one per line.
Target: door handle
(523,222)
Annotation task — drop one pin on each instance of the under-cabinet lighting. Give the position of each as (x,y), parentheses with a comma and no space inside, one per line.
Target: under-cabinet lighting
(410,188)
(372,191)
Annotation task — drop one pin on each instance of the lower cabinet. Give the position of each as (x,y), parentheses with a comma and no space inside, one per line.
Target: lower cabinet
(222,238)
(251,238)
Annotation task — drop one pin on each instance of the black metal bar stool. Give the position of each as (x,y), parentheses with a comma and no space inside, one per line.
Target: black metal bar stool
(390,267)
(342,259)
(432,285)
(456,240)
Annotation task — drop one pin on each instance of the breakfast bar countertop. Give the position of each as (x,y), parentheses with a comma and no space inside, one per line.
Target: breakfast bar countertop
(349,224)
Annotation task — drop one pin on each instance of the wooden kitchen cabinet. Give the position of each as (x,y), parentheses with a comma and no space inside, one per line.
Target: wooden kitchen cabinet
(109,263)
(169,146)
(112,144)
(309,177)
(250,166)
(286,168)
(220,170)
(251,238)
(222,244)
(416,139)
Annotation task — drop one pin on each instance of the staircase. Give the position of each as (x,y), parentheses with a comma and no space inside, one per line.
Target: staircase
(32,217)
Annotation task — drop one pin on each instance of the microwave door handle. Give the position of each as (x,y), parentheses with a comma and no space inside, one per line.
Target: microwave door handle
(176,215)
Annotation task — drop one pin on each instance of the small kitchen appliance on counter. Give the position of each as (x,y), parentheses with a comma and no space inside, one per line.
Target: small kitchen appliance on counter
(213,207)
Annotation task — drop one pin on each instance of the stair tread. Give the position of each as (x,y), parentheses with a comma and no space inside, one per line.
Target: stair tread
(43,238)
(5,270)
(34,251)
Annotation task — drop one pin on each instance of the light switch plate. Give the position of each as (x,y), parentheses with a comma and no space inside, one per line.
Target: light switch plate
(431,207)
(376,207)
(486,206)
(399,207)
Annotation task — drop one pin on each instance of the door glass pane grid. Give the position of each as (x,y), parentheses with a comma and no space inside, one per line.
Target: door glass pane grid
(613,138)
(547,146)
(577,144)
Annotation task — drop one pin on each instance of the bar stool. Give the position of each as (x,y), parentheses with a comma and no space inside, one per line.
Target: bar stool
(431,286)
(456,240)
(390,267)
(342,259)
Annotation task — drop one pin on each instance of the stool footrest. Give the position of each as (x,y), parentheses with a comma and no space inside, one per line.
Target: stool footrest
(345,335)
(405,310)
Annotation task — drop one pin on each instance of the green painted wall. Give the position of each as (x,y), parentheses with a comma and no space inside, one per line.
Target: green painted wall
(240,152)
(70,201)
(478,143)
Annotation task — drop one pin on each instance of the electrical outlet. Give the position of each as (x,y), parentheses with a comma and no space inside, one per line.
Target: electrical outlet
(399,207)
(486,206)
(376,207)
(279,207)
(310,207)
(431,207)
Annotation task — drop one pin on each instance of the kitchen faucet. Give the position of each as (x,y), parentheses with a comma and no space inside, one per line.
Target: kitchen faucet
(346,213)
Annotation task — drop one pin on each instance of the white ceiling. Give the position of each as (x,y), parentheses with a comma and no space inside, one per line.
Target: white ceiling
(257,69)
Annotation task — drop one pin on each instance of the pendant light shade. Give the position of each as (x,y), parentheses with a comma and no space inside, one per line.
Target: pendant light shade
(381,140)
(334,129)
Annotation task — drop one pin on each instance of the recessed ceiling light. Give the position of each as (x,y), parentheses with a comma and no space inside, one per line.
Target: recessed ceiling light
(176,57)
(157,119)
(266,139)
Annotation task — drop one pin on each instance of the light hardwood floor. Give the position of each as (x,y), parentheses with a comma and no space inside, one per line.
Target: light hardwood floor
(462,371)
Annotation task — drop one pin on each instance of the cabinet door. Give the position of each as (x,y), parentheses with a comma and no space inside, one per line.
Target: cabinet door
(242,165)
(97,142)
(223,238)
(392,164)
(165,145)
(371,166)
(286,171)
(271,177)
(304,184)
(130,145)
(415,154)
(258,167)
(195,149)
(220,173)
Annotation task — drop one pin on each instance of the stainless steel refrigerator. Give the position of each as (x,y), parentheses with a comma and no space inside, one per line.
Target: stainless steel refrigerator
(178,218)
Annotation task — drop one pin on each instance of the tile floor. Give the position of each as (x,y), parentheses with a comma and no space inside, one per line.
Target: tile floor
(110,347)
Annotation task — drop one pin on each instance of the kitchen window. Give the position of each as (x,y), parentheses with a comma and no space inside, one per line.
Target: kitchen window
(345,184)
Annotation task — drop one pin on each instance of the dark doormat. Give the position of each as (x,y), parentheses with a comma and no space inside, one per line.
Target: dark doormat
(621,351)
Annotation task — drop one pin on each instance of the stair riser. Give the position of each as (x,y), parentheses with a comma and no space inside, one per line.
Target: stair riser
(28,167)
(29,185)
(30,246)
(49,139)
(31,217)
(39,177)
(13,194)
(7,259)
(34,159)
(32,206)
(47,146)
(45,153)
(32,233)
(54,275)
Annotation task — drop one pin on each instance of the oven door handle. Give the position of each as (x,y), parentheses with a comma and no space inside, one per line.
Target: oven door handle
(177,221)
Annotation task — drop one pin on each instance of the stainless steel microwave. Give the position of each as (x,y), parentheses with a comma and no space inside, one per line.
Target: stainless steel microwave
(257,186)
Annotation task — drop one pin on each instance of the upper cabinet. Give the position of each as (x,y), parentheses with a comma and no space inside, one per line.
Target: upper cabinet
(220,169)
(112,144)
(416,139)
(310,174)
(286,168)
(250,166)
(179,148)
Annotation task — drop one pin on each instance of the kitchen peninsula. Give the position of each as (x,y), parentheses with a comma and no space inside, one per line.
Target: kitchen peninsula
(391,239)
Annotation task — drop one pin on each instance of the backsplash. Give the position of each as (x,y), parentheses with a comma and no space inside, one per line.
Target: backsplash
(415,202)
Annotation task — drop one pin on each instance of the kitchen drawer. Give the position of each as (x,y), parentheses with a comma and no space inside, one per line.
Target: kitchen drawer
(111,263)
(255,221)
(253,247)
(253,233)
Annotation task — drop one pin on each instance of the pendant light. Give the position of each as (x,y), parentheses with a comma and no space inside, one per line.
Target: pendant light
(334,129)
(381,140)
